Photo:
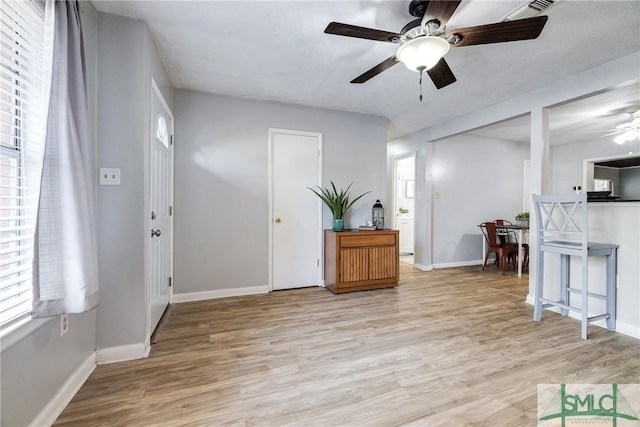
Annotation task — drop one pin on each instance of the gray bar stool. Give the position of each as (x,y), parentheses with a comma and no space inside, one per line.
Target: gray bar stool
(562,229)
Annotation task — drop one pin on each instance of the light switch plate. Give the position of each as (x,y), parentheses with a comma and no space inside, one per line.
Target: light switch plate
(109,176)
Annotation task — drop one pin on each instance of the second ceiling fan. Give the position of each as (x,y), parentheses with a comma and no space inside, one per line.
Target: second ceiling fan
(424,41)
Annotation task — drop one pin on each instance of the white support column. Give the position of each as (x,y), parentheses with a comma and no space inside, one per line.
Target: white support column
(539,180)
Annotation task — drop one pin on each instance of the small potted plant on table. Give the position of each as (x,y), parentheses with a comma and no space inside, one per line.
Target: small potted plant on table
(338,203)
(522,219)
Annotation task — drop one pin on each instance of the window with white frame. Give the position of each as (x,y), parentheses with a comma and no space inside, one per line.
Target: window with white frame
(21,130)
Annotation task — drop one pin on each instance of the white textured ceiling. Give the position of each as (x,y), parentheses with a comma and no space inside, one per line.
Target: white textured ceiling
(276,50)
(592,118)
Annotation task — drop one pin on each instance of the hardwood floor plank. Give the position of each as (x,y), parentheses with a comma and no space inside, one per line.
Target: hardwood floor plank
(446,347)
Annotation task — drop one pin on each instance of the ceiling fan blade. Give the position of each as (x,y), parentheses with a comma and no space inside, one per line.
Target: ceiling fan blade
(387,63)
(441,74)
(361,32)
(520,29)
(441,10)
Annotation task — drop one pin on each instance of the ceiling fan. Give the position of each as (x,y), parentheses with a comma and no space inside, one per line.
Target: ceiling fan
(627,130)
(425,41)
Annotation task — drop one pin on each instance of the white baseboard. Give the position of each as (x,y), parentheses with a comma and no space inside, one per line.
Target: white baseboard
(56,405)
(122,353)
(423,267)
(457,264)
(220,293)
(621,327)
(627,329)
(447,265)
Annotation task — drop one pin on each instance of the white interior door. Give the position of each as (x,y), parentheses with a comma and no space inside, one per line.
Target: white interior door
(404,201)
(296,226)
(161,202)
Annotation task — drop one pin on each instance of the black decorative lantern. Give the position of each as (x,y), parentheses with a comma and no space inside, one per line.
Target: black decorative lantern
(377,215)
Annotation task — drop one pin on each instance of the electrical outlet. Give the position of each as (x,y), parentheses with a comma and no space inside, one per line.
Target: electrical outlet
(64,324)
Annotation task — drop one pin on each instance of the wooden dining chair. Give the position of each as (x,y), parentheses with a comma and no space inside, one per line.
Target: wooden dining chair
(494,245)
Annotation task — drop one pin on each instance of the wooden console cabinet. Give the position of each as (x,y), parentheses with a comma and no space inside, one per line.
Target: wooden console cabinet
(358,260)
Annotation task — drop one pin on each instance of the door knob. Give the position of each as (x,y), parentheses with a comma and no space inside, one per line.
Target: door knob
(156,233)
(278,220)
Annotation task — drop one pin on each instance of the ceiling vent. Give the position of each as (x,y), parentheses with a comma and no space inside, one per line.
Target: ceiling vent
(530,9)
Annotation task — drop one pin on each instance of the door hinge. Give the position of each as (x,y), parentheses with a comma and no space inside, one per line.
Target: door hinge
(170,139)
(318,262)
(170,282)
(170,210)
(318,153)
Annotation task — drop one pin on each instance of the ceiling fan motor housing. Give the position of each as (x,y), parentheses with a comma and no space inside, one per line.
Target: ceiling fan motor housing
(418,7)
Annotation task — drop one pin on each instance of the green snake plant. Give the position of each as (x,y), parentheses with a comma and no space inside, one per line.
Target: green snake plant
(337,202)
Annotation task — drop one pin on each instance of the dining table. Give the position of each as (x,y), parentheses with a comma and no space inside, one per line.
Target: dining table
(521,230)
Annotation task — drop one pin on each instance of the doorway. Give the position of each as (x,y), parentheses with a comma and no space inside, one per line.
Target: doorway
(161,208)
(404,204)
(295,230)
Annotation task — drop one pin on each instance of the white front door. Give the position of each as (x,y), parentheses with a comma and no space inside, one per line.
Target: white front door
(296,213)
(161,202)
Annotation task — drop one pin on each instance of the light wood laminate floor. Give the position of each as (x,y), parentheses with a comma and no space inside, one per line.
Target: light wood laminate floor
(450,347)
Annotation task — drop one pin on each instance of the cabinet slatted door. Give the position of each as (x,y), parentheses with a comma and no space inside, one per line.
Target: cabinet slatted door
(354,265)
(383,263)
(358,260)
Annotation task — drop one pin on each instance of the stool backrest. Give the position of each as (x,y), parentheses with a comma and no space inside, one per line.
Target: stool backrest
(562,223)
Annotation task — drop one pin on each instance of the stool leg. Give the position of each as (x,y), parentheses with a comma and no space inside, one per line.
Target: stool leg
(612,267)
(537,308)
(564,282)
(585,297)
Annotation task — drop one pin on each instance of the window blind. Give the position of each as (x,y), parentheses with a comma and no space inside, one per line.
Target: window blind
(21,133)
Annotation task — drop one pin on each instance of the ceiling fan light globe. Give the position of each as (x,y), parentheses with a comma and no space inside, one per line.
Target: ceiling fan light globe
(422,52)
(627,136)
(620,139)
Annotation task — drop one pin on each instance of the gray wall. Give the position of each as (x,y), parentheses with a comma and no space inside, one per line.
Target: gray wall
(34,369)
(121,107)
(128,58)
(221,173)
(630,183)
(463,180)
(567,162)
(474,180)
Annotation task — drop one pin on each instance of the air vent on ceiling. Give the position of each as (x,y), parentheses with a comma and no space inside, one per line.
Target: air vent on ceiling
(530,9)
(540,5)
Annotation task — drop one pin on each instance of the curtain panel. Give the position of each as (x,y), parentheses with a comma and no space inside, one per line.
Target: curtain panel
(65,265)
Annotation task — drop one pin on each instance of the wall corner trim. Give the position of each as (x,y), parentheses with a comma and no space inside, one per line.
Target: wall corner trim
(220,293)
(122,353)
(423,267)
(56,405)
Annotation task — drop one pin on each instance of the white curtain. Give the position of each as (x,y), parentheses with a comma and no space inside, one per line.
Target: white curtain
(65,266)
